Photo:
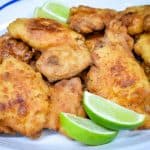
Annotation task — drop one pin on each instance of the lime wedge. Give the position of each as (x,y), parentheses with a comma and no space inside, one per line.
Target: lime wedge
(53,11)
(85,131)
(40,13)
(109,114)
(58,9)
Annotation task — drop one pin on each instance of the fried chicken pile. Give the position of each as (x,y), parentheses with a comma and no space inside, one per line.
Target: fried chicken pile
(57,43)
(45,66)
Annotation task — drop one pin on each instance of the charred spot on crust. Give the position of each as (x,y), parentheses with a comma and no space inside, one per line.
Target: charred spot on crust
(117,69)
(122,78)
(53,60)
(44,24)
(5,76)
(22,109)
(127,82)
(127,18)
(2,107)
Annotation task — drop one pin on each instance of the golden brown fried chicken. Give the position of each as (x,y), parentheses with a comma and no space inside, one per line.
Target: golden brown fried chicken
(23,98)
(62,62)
(18,49)
(66,96)
(136,19)
(142,47)
(64,53)
(42,33)
(85,19)
(116,75)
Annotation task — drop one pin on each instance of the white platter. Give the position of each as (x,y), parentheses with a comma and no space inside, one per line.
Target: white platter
(126,140)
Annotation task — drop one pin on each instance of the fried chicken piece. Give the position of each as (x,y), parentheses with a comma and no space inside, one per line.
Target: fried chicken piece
(18,49)
(136,19)
(85,19)
(66,96)
(64,53)
(94,41)
(116,75)
(60,63)
(142,47)
(43,34)
(23,98)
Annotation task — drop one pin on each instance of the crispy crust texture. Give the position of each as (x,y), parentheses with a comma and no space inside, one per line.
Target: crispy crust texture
(23,98)
(62,49)
(66,96)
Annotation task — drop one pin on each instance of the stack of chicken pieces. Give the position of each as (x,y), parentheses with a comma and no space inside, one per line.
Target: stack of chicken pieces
(45,66)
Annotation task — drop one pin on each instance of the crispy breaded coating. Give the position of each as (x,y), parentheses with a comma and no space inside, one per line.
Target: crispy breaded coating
(23,98)
(85,19)
(64,53)
(60,63)
(116,75)
(66,96)
(43,34)
(10,46)
(136,19)
(142,47)
(94,41)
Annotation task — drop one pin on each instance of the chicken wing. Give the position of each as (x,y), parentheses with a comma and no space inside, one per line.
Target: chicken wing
(136,19)
(116,75)
(85,19)
(18,49)
(66,96)
(64,53)
(23,98)
(142,47)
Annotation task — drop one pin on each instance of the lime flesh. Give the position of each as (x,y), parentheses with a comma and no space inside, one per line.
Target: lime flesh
(109,114)
(58,9)
(52,11)
(39,12)
(85,131)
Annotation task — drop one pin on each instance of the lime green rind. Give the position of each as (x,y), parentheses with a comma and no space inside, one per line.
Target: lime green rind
(88,124)
(119,112)
(81,133)
(110,124)
(108,121)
